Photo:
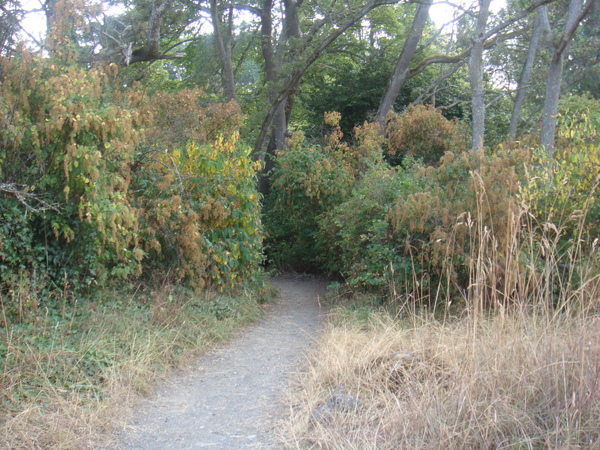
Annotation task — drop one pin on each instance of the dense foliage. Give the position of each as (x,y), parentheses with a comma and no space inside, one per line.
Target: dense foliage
(102,183)
(67,148)
(308,181)
(488,215)
(132,141)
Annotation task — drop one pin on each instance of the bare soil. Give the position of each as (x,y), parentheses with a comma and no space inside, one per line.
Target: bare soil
(231,398)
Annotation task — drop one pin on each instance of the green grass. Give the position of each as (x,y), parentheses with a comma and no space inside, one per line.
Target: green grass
(68,375)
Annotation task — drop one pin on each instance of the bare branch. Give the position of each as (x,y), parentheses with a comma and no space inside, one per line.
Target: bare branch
(21,193)
(426,94)
(516,17)
(450,59)
(18,23)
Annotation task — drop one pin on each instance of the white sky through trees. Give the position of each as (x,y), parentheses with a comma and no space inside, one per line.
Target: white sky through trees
(441,12)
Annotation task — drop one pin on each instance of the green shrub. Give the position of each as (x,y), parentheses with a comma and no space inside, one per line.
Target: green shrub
(306,182)
(565,187)
(421,132)
(470,202)
(309,181)
(421,222)
(101,183)
(67,146)
(200,214)
(356,239)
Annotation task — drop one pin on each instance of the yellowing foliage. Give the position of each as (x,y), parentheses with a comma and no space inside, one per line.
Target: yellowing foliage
(69,143)
(202,217)
(421,132)
(102,182)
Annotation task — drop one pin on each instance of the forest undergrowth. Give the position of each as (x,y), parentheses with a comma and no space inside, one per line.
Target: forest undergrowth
(510,380)
(130,238)
(469,309)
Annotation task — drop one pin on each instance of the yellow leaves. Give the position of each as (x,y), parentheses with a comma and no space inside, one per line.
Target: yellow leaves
(176,202)
(332,118)
(212,212)
(112,70)
(138,254)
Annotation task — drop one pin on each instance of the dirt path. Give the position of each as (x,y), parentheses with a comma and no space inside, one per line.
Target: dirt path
(231,398)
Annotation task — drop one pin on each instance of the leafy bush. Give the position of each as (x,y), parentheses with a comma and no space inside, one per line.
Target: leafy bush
(67,147)
(196,194)
(309,181)
(421,132)
(188,116)
(469,206)
(99,180)
(356,238)
(563,186)
(422,222)
(200,214)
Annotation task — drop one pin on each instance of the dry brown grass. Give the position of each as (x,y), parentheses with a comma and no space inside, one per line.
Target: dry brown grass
(505,381)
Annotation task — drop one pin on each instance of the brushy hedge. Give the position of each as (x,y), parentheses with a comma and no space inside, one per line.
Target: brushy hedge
(471,220)
(68,145)
(308,181)
(100,184)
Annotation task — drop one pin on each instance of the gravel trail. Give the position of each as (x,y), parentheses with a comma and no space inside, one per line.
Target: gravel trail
(230,399)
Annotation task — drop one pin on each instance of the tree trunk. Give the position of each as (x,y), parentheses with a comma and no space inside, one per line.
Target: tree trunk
(541,26)
(476,77)
(401,70)
(276,128)
(307,59)
(224,50)
(50,10)
(574,16)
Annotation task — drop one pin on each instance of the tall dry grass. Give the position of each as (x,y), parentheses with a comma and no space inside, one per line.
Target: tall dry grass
(510,381)
(515,365)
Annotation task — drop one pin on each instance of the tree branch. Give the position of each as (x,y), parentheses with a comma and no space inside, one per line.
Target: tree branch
(22,195)
(449,59)
(294,77)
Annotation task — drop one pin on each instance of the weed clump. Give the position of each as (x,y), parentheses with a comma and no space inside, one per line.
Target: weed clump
(508,380)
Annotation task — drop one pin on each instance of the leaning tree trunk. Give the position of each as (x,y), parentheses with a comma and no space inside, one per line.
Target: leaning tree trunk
(275,127)
(305,59)
(541,26)
(476,77)
(574,16)
(401,71)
